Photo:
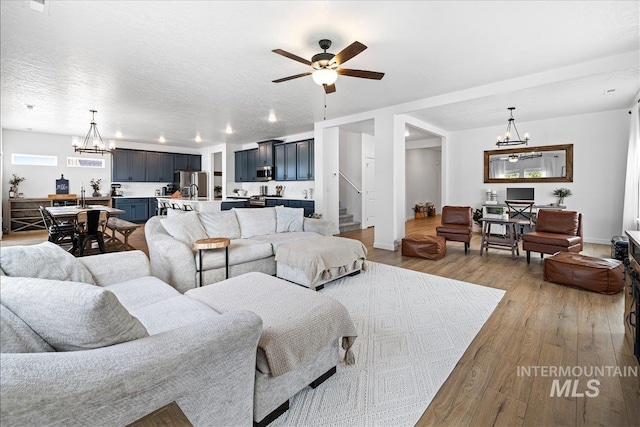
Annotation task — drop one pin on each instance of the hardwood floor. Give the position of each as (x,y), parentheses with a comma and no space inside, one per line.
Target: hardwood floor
(537,323)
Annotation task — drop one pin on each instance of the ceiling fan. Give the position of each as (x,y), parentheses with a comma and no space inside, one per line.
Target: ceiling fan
(326,66)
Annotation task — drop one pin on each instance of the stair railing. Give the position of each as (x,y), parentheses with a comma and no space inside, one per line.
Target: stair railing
(349,182)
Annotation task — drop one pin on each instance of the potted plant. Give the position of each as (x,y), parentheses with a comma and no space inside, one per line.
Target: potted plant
(95,184)
(217,190)
(561,193)
(15,182)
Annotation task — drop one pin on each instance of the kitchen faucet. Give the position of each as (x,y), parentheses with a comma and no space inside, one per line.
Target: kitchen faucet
(191,192)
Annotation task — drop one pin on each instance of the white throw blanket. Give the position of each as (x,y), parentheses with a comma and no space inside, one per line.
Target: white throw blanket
(296,321)
(315,257)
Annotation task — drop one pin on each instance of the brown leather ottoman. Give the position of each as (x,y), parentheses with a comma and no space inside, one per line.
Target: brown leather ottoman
(429,247)
(593,274)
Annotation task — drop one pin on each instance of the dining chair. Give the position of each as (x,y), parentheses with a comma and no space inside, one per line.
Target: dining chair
(60,233)
(90,225)
(456,224)
(521,212)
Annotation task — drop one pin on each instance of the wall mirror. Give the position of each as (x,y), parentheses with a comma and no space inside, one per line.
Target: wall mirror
(550,163)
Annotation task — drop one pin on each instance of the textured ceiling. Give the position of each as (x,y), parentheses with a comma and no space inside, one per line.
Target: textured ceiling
(181,68)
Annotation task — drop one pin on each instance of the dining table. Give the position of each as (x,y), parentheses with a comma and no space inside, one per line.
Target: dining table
(70,212)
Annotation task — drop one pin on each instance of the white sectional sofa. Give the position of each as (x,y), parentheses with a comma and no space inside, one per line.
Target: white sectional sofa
(99,341)
(255,235)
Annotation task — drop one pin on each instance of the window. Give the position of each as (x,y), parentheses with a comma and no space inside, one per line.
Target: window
(512,174)
(33,160)
(83,162)
(534,173)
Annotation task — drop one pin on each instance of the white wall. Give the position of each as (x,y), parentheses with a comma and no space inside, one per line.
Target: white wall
(351,167)
(422,174)
(41,180)
(600,150)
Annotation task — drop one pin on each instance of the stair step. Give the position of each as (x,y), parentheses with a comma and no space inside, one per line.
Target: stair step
(342,211)
(349,226)
(345,218)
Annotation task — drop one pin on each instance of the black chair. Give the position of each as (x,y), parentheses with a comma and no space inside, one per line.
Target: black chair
(90,226)
(60,233)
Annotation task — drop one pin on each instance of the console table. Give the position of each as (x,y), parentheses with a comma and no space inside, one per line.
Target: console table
(632,308)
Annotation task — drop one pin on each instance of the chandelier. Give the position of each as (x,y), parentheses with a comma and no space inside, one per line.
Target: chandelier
(507,138)
(93,142)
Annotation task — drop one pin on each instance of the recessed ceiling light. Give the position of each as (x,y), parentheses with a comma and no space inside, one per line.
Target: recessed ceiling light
(608,92)
(161,139)
(272,117)
(118,134)
(30,107)
(228,130)
(198,138)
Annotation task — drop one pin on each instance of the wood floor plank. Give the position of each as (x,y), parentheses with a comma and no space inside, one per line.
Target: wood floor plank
(542,408)
(498,409)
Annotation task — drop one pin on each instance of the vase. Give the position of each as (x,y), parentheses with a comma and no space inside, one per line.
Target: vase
(96,194)
(560,201)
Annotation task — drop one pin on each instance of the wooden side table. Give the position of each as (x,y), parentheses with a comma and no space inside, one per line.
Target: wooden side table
(168,415)
(213,243)
(510,242)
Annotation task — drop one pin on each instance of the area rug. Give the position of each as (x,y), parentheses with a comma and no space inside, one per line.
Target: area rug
(413,328)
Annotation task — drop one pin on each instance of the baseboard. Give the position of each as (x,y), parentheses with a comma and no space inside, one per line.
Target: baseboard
(384,246)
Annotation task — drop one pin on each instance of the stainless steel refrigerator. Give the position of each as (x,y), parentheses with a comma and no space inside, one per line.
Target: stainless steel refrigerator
(193,184)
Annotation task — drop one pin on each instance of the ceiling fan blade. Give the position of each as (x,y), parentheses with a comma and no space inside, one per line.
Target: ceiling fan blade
(373,75)
(291,56)
(284,79)
(329,88)
(349,52)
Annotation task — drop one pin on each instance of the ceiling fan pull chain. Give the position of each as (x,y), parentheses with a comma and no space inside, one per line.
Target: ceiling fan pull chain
(325,106)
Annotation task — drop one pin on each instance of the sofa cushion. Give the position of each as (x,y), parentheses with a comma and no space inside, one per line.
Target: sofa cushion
(256,222)
(172,313)
(240,252)
(186,228)
(289,219)
(27,261)
(17,337)
(70,315)
(221,224)
(142,291)
(277,239)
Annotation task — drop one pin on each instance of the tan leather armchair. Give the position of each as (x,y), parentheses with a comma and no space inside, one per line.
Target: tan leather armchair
(457,222)
(556,231)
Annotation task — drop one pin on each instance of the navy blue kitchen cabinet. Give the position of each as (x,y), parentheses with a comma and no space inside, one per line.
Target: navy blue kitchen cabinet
(159,167)
(226,206)
(304,151)
(285,158)
(136,209)
(129,166)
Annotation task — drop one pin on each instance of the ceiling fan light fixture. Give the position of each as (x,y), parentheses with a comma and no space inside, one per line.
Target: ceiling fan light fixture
(325,76)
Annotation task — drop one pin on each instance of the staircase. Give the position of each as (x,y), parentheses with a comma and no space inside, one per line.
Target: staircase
(346,222)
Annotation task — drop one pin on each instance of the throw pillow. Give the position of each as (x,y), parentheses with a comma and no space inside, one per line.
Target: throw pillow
(256,221)
(17,337)
(70,316)
(186,227)
(46,261)
(289,219)
(221,224)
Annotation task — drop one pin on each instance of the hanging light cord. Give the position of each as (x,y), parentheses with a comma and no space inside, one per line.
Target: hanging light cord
(325,106)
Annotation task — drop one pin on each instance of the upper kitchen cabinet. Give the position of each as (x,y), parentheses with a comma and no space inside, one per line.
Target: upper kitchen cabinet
(129,166)
(241,166)
(252,164)
(265,152)
(304,150)
(159,167)
(285,159)
(187,162)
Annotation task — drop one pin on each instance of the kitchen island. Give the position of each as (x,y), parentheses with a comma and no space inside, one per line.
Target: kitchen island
(207,204)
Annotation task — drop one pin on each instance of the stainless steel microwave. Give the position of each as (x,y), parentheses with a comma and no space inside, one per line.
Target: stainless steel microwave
(265,173)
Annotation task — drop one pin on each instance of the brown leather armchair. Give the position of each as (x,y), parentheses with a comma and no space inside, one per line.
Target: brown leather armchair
(556,231)
(457,222)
